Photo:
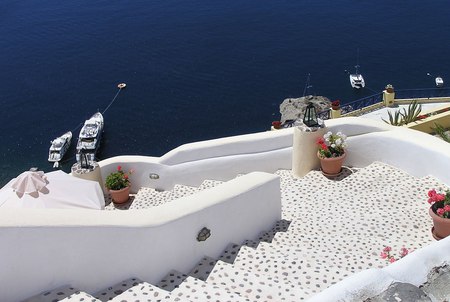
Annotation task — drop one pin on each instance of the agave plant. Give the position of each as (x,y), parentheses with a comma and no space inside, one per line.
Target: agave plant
(394,120)
(441,131)
(413,112)
(406,116)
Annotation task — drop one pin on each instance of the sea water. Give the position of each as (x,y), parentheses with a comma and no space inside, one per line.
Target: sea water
(195,70)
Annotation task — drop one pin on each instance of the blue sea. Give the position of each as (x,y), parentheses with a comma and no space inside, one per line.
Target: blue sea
(196,69)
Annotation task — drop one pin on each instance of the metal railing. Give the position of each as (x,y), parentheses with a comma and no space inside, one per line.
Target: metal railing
(354,105)
(378,97)
(362,103)
(422,93)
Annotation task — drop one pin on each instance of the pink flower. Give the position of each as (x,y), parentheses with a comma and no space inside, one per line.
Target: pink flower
(392,260)
(383,255)
(439,197)
(119,168)
(440,211)
(387,249)
(447,208)
(403,252)
(125,176)
(431,193)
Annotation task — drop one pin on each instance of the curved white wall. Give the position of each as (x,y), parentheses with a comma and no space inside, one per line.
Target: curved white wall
(224,158)
(52,246)
(90,250)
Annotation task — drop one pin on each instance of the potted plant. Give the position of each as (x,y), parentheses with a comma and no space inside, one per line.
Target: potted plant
(332,152)
(336,105)
(440,213)
(118,184)
(276,124)
(389,88)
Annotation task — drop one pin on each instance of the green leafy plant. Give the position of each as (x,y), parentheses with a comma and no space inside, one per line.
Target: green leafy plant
(440,130)
(394,120)
(405,117)
(118,180)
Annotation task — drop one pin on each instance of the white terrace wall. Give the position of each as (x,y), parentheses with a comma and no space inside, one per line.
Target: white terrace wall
(46,249)
(223,159)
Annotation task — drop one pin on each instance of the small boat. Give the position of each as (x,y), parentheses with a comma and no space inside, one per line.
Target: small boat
(439,82)
(356,79)
(59,147)
(90,136)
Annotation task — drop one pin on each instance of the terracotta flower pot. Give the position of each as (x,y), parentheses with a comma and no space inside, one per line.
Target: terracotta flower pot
(441,227)
(120,196)
(332,166)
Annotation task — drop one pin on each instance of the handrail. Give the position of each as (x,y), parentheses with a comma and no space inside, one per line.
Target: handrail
(354,105)
(361,103)
(422,93)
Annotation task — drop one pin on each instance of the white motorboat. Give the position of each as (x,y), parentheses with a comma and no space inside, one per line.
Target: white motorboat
(439,82)
(356,79)
(59,147)
(90,136)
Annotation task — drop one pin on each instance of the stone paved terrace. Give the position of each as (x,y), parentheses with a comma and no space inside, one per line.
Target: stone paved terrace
(330,229)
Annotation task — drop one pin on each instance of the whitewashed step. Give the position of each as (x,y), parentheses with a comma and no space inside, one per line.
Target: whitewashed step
(182,191)
(147,198)
(354,249)
(142,291)
(279,226)
(196,290)
(378,174)
(209,183)
(64,293)
(231,251)
(172,280)
(112,291)
(266,258)
(430,182)
(309,273)
(202,270)
(255,287)
(412,225)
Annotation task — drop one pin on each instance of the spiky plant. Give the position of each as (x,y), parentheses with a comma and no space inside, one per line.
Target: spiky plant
(394,120)
(406,116)
(413,112)
(441,131)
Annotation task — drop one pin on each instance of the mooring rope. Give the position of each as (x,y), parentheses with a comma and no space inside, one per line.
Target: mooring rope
(121,86)
(112,101)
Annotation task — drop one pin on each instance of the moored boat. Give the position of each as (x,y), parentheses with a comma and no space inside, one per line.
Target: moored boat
(59,147)
(356,79)
(90,136)
(439,82)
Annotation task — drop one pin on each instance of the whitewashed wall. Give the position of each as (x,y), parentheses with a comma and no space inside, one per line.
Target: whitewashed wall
(91,250)
(224,158)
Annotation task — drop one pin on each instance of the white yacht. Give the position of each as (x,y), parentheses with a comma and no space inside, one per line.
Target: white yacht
(59,147)
(90,136)
(356,79)
(439,82)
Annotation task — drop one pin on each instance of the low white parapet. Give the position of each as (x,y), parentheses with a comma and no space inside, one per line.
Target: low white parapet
(413,269)
(46,249)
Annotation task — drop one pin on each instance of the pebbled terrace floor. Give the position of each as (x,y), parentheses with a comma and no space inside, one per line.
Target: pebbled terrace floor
(330,229)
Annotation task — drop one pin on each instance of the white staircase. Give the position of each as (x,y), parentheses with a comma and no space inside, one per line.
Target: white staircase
(330,229)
